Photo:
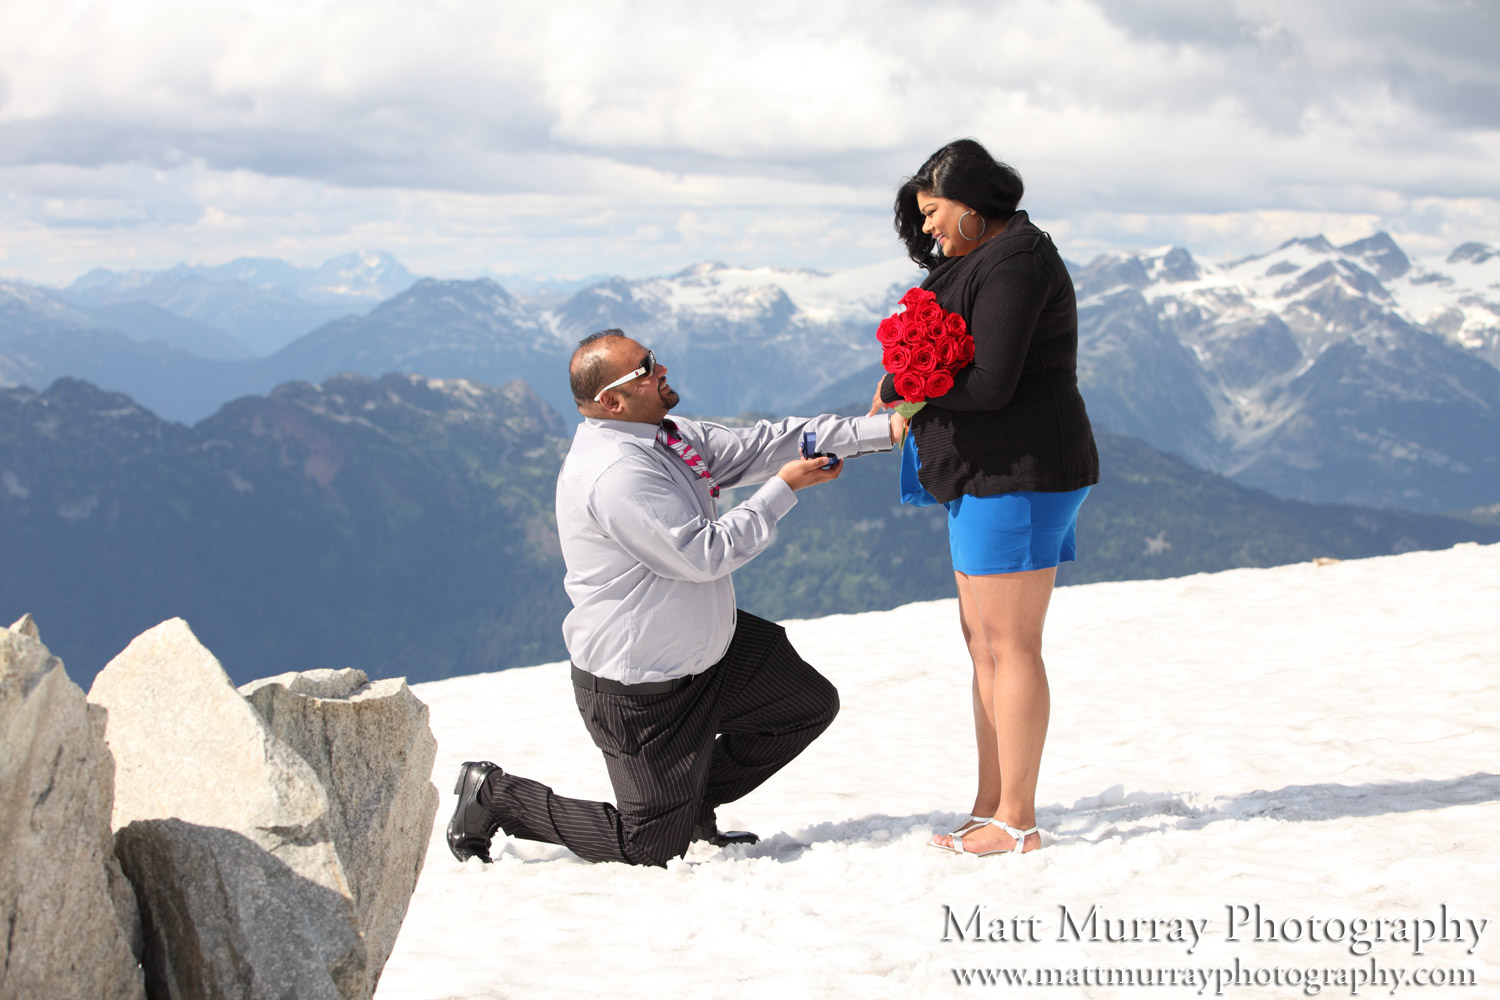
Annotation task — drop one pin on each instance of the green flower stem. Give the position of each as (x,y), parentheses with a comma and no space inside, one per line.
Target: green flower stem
(907,411)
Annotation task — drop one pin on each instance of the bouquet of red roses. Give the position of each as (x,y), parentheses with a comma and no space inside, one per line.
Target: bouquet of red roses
(924,345)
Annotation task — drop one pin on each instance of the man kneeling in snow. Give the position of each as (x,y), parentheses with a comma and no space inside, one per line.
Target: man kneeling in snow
(693,702)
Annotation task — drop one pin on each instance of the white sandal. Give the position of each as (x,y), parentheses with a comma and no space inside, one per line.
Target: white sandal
(974,823)
(1019,835)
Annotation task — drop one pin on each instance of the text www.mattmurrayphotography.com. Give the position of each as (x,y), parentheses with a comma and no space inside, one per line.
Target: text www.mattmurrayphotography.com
(1239,924)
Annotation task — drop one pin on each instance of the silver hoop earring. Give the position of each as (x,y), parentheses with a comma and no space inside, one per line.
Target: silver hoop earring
(983,225)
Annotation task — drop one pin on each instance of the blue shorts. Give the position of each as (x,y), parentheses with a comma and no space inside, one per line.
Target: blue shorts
(1013,532)
(1006,533)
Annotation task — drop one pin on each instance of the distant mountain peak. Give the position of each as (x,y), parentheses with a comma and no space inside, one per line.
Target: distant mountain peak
(1381,253)
(1317,244)
(352,396)
(1378,242)
(1177,264)
(83,399)
(20,291)
(368,274)
(476,288)
(702,269)
(362,258)
(1472,253)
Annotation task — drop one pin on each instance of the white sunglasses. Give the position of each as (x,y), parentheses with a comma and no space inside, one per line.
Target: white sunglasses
(647,367)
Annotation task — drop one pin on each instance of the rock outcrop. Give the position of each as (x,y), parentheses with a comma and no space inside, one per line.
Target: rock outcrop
(226,918)
(373,749)
(69,914)
(189,747)
(265,845)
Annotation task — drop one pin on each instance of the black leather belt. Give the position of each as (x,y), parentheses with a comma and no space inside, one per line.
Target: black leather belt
(591,682)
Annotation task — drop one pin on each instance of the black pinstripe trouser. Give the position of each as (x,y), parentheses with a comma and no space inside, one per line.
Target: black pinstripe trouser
(673,758)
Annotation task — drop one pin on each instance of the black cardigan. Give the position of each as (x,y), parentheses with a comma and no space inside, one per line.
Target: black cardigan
(1014,419)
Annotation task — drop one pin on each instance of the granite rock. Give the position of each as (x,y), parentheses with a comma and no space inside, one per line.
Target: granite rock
(226,918)
(189,747)
(373,749)
(70,915)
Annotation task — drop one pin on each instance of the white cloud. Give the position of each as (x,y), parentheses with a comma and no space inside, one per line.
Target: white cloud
(576,136)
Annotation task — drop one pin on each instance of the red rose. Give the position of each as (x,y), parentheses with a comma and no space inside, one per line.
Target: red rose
(896,359)
(910,387)
(916,295)
(938,383)
(928,313)
(923,346)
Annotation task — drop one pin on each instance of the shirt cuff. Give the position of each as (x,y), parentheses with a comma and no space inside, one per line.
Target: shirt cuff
(777,497)
(874,433)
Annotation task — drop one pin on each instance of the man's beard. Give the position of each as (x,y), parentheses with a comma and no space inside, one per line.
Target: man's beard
(670,398)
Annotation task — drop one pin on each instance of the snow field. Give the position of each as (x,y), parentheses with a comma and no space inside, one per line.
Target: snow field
(1318,740)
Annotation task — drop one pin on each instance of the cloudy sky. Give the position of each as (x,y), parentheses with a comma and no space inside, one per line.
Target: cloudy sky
(634,138)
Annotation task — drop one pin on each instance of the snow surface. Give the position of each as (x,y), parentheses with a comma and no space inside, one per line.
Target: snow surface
(1437,287)
(1318,740)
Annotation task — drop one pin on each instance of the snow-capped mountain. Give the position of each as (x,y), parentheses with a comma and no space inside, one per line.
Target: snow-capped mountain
(1459,300)
(264,303)
(1326,373)
(370,277)
(856,295)
(1457,297)
(746,338)
(1333,374)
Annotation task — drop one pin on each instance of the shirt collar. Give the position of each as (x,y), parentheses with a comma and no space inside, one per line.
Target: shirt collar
(621,428)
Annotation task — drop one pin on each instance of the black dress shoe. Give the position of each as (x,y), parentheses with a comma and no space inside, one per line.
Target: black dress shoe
(722,838)
(472,826)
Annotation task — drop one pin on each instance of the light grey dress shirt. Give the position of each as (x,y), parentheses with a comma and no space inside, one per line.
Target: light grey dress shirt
(649,555)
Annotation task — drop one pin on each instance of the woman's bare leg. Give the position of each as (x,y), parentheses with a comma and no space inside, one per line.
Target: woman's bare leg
(1005,614)
(987,798)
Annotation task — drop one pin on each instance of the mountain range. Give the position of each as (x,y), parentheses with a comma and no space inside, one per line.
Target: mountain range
(404,526)
(1332,374)
(259,304)
(401,524)
(1329,374)
(1323,373)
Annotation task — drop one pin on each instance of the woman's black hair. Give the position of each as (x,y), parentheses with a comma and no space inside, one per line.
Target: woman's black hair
(964,171)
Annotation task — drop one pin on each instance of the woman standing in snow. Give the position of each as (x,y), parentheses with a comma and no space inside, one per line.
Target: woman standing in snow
(1008,451)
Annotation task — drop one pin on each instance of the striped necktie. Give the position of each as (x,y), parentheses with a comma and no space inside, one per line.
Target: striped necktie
(667,435)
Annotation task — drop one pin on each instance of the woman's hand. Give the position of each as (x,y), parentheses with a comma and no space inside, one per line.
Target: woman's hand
(898,428)
(898,422)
